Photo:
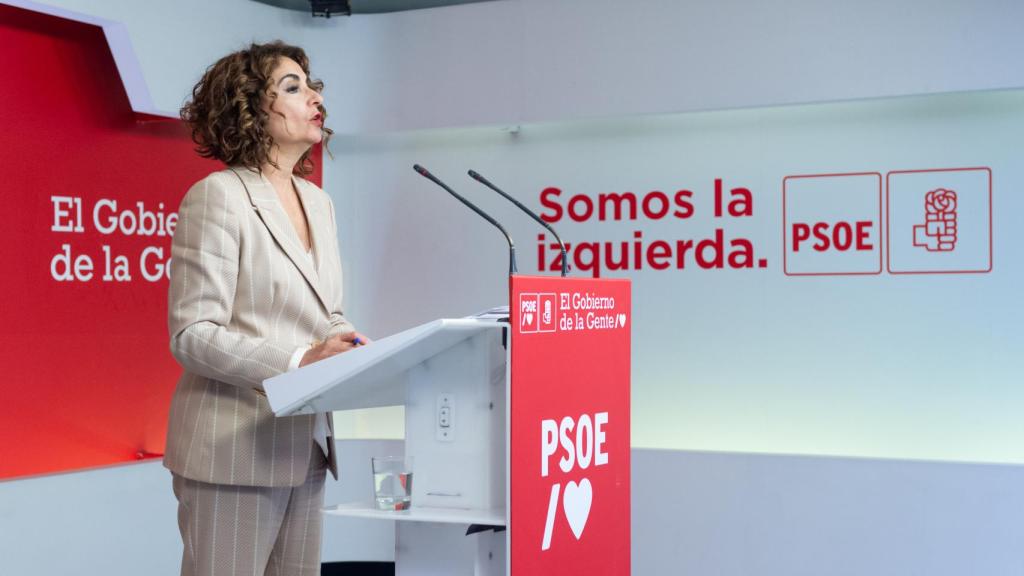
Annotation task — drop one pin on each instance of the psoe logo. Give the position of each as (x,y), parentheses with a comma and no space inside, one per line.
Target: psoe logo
(537,313)
(582,444)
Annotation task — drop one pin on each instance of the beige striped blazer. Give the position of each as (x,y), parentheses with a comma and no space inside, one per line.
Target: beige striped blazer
(243,298)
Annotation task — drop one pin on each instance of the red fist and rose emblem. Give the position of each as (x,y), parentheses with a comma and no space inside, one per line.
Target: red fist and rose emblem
(938,233)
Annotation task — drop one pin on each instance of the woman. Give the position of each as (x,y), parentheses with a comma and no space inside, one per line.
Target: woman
(255,291)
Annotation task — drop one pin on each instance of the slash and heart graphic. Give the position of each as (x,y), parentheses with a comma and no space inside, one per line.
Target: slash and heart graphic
(576,501)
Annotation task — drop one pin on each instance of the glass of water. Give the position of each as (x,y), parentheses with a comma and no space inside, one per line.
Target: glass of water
(392,482)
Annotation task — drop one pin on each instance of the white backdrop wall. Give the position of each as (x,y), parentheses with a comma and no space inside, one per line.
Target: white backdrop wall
(743,515)
(516,62)
(921,367)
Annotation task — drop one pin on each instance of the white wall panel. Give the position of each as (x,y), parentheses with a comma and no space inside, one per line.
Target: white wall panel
(541,60)
(748,360)
(705,513)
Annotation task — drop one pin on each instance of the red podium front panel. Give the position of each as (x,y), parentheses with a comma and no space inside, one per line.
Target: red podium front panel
(569,508)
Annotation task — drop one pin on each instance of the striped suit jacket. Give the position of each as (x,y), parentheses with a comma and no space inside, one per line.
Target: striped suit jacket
(243,298)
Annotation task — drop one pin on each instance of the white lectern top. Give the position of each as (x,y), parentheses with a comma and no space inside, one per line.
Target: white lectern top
(368,376)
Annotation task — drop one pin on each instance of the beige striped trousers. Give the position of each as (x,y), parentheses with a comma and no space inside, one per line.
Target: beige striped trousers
(252,530)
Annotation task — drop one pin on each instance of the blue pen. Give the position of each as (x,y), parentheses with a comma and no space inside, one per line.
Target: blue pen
(357,341)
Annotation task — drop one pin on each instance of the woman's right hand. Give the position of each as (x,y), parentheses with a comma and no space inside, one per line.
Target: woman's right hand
(334,345)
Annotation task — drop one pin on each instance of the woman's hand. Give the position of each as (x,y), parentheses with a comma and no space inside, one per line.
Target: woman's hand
(334,345)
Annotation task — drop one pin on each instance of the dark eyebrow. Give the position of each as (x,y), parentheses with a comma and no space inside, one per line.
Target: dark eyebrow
(287,76)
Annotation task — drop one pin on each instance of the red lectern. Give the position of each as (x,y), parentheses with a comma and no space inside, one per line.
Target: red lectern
(569,472)
(518,427)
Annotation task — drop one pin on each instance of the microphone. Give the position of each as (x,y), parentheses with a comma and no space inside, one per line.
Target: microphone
(511,245)
(565,262)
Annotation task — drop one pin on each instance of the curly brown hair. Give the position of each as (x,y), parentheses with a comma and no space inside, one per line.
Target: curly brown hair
(225,113)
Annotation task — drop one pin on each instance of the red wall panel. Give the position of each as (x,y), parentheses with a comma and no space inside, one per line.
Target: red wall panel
(87,375)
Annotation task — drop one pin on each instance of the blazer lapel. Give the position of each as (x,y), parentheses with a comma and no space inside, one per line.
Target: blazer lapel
(264,199)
